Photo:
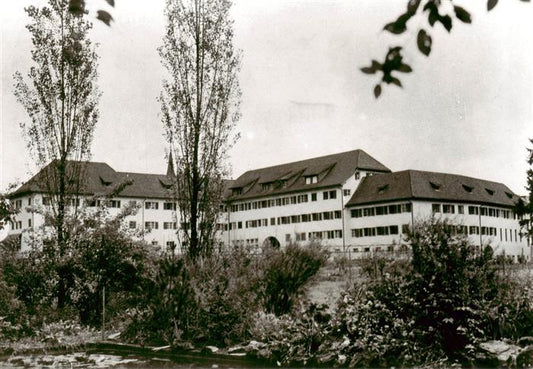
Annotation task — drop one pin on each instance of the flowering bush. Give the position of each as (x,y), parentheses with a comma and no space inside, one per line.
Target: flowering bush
(435,310)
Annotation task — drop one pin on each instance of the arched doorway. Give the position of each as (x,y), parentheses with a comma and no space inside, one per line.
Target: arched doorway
(272,242)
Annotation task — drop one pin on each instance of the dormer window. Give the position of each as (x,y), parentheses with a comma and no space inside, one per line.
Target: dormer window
(468,189)
(435,186)
(311,179)
(357,176)
(266,186)
(104,182)
(509,195)
(382,189)
(236,191)
(489,191)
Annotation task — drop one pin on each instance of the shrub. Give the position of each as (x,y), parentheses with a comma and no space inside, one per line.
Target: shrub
(437,310)
(286,272)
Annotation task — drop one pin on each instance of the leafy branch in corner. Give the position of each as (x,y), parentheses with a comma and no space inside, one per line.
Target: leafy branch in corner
(435,13)
(77,7)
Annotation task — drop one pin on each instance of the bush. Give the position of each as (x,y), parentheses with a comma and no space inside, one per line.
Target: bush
(213,300)
(437,309)
(286,272)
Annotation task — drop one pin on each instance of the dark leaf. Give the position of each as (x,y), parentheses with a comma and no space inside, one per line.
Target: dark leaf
(76,7)
(111,2)
(433,17)
(368,70)
(396,81)
(377,91)
(446,22)
(412,6)
(373,68)
(424,42)
(405,68)
(400,25)
(104,17)
(491,4)
(462,14)
(395,28)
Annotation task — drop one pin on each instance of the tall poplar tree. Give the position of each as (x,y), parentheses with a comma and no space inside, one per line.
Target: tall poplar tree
(199,104)
(60,95)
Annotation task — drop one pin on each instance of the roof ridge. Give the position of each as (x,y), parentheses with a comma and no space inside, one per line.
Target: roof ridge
(303,160)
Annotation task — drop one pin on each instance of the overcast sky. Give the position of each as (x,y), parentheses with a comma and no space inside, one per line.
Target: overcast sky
(467,109)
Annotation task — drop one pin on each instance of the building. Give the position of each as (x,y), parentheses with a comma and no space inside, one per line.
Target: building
(384,207)
(297,201)
(155,219)
(349,201)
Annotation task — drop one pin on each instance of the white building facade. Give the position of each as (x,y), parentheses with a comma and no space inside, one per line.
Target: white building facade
(349,201)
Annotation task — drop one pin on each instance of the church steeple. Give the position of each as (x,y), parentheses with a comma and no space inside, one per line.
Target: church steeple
(170,168)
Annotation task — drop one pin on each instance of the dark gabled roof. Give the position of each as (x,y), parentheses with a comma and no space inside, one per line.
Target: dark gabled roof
(100,179)
(331,170)
(414,184)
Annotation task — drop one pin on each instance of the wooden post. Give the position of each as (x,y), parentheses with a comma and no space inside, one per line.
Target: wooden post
(103,313)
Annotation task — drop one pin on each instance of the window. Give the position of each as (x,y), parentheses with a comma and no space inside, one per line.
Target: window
(236,191)
(338,214)
(29,223)
(405,228)
(287,237)
(468,189)
(395,209)
(113,203)
(151,205)
(311,179)
(17,204)
(151,225)
(460,209)
(356,213)
(368,212)
(333,194)
(171,245)
(448,209)
(325,195)
(346,192)
(382,231)
(46,201)
(435,208)
(382,189)
(300,236)
(313,196)
(435,186)
(266,186)
(317,217)
(170,225)
(239,225)
(132,224)
(72,202)
(29,200)
(303,198)
(382,210)
(272,221)
(393,229)
(473,210)
(169,206)
(473,230)
(357,176)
